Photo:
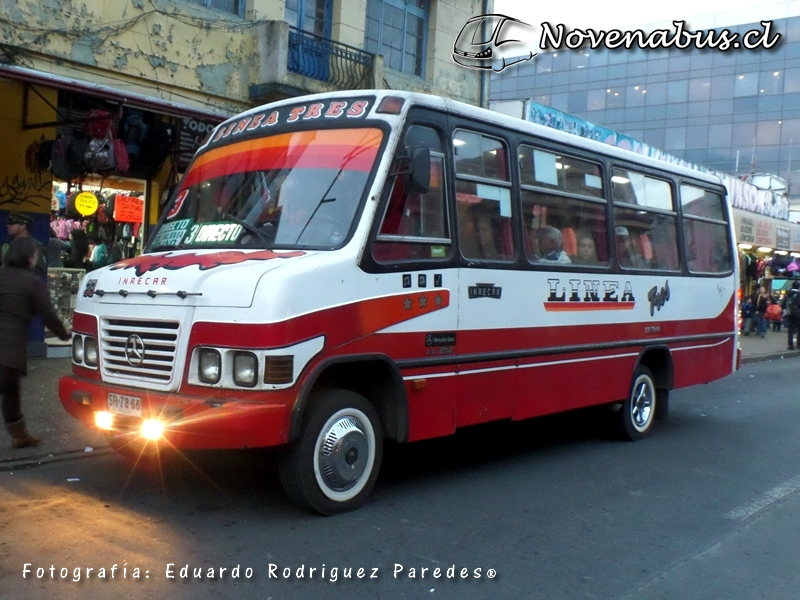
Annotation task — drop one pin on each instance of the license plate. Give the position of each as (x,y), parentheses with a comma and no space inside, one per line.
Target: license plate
(124,405)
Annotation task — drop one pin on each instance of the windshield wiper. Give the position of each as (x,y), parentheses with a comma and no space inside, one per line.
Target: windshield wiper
(249,227)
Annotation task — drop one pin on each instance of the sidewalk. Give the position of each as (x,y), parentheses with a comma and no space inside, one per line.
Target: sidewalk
(64,438)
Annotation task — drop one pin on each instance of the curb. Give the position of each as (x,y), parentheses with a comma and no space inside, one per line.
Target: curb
(765,357)
(29,462)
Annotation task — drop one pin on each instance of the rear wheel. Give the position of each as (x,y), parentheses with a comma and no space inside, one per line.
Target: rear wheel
(333,466)
(639,410)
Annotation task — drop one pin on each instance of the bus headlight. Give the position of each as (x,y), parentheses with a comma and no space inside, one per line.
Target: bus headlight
(210,366)
(245,369)
(77,349)
(90,351)
(152,429)
(104,420)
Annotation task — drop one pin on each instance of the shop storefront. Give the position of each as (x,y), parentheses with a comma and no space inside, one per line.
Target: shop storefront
(91,159)
(769,252)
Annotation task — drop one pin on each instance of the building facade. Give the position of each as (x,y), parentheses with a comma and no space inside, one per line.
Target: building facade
(736,111)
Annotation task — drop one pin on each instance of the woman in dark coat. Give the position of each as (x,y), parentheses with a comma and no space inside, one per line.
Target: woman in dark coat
(79,251)
(22,295)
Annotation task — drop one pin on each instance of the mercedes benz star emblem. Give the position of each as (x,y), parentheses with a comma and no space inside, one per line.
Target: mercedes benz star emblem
(134,350)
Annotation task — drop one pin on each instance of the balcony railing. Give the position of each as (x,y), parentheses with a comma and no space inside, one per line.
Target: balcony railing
(340,65)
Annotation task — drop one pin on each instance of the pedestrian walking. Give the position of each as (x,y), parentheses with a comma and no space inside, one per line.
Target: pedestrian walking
(18,225)
(791,307)
(762,302)
(23,294)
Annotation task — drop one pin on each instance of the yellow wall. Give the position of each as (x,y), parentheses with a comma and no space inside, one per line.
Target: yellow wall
(20,189)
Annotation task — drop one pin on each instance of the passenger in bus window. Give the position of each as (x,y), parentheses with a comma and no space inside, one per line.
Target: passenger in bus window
(627,253)
(550,246)
(587,252)
(477,233)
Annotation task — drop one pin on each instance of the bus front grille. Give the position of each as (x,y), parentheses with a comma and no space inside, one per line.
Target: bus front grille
(139,349)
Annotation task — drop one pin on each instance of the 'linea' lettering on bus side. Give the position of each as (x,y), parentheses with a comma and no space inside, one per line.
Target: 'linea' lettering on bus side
(590,291)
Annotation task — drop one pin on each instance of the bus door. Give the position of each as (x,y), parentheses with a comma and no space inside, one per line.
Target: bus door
(490,291)
(413,252)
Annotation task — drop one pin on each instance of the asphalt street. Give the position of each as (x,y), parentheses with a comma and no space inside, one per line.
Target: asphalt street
(705,508)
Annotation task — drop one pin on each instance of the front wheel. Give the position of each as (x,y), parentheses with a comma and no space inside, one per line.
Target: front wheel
(333,466)
(639,410)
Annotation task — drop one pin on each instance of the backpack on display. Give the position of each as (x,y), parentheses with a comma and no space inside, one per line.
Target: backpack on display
(121,156)
(99,155)
(99,123)
(66,157)
(134,132)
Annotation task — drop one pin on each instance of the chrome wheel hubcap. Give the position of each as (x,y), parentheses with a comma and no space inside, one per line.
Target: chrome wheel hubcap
(642,402)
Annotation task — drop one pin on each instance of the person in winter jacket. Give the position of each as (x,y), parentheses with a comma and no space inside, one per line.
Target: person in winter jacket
(762,301)
(791,307)
(23,294)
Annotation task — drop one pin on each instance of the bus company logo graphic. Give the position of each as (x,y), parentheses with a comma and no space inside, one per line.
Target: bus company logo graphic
(485,290)
(580,295)
(91,286)
(494,42)
(147,263)
(444,338)
(658,297)
(497,41)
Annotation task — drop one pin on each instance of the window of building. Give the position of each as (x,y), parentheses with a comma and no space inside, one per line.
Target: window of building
(483,197)
(791,84)
(678,91)
(645,221)
(705,231)
(745,84)
(770,82)
(700,89)
(635,95)
(397,29)
(235,7)
(313,16)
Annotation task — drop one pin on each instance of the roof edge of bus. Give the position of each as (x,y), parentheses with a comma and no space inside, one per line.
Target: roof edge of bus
(495,118)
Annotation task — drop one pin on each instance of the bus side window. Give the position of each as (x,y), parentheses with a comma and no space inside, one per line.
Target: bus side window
(646,221)
(415,226)
(483,197)
(705,231)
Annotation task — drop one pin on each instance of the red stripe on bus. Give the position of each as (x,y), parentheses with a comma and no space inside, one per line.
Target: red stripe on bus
(582,306)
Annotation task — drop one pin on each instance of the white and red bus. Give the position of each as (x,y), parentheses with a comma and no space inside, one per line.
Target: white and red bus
(340,269)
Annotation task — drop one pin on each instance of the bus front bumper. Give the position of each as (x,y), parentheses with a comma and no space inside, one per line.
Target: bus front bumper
(140,416)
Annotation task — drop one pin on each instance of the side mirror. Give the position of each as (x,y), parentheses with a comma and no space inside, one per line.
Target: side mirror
(418,177)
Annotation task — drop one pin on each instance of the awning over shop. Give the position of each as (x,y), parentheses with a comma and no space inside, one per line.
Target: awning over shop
(159,105)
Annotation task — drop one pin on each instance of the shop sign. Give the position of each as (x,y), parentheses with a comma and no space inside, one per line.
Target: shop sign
(764,235)
(193,133)
(86,203)
(747,231)
(783,237)
(128,209)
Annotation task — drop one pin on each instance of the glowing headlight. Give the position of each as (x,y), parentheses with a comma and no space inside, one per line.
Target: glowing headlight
(90,351)
(104,420)
(152,429)
(210,367)
(77,349)
(245,369)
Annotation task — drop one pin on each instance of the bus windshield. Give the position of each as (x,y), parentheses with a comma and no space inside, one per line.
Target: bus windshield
(292,190)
